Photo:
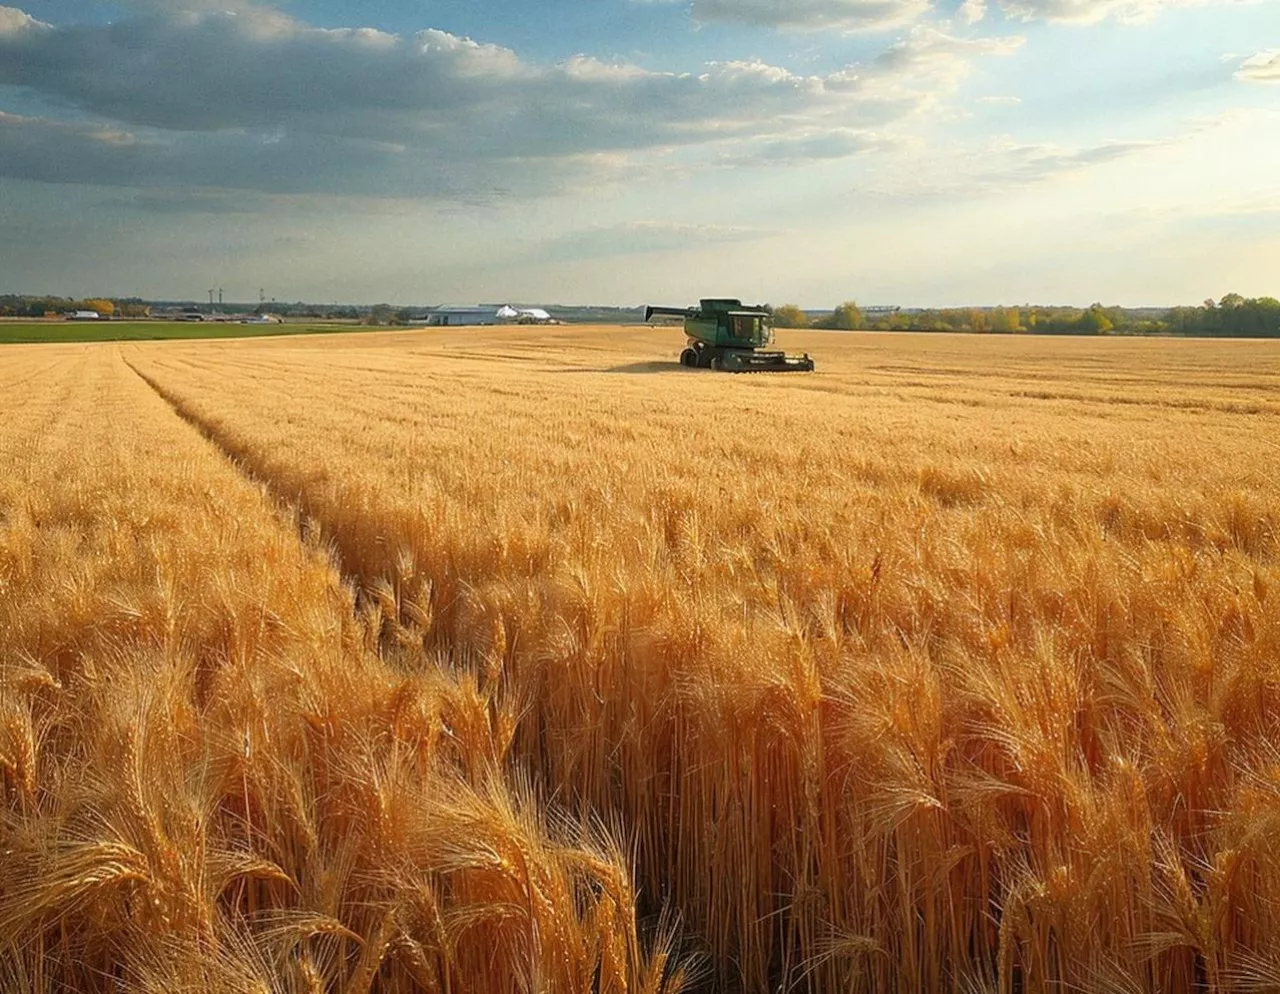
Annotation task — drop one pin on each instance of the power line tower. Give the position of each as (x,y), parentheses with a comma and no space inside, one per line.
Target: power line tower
(210,300)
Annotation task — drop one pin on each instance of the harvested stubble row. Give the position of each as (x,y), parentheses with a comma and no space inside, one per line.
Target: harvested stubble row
(211,782)
(954,667)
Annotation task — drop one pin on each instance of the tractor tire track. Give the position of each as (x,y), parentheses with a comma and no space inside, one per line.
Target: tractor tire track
(233,453)
(291,504)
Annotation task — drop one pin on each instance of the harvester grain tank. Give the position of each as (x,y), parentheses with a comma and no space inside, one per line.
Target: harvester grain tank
(723,334)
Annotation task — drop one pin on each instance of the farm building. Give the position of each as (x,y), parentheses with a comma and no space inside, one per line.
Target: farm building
(84,316)
(529,315)
(485,314)
(464,314)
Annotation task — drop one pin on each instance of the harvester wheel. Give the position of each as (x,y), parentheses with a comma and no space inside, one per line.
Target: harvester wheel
(688,358)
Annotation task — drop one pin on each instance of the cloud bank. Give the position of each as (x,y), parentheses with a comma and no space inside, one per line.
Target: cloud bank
(252,99)
(812,15)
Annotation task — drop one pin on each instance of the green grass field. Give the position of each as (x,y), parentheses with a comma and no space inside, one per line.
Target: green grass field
(132,331)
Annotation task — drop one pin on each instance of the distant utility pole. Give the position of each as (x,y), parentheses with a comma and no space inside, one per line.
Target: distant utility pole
(262,295)
(210,300)
(219,298)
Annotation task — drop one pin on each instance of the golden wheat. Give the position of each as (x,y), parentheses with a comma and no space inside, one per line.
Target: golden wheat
(952,667)
(210,780)
(948,667)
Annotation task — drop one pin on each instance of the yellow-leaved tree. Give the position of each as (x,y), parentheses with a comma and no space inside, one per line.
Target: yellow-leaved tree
(104,307)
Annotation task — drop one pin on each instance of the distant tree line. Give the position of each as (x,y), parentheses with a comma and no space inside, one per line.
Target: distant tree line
(1232,317)
(846,317)
(21,306)
(28,306)
(330,312)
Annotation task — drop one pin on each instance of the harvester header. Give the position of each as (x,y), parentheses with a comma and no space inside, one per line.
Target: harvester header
(723,334)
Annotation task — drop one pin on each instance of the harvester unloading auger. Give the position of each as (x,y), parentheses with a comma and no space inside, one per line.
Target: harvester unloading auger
(725,335)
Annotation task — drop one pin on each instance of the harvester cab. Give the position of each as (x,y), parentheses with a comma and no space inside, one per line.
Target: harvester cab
(723,334)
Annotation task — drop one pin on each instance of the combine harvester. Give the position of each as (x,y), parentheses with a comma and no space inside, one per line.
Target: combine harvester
(725,335)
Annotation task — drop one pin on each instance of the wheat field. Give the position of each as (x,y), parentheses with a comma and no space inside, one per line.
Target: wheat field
(527,660)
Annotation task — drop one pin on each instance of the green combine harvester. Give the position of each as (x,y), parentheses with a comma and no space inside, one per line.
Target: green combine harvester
(725,335)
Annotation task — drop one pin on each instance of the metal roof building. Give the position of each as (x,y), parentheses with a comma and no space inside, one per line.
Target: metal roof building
(463,314)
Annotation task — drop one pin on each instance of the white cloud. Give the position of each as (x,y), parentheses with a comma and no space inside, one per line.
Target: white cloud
(812,15)
(239,99)
(14,21)
(933,57)
(873,15)
(996,167)
(1094,11)
(1261,68)
(1183,171)
(1028,163)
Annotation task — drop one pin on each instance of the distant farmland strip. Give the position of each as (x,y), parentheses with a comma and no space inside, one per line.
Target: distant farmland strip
(18,332)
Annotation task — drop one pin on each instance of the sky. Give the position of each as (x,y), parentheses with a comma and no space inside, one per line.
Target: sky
(909,152)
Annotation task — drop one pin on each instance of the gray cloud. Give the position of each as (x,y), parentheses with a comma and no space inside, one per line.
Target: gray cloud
(833,143)
(1261,68)
(641,237)
(251,99)
(56,152)
(812,15)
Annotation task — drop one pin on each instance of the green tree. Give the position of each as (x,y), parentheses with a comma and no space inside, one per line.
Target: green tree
(1094,321)
(790,316)
(847,317)
(1006,320)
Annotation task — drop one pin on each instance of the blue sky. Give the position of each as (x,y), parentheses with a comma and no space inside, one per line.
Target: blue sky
(622,151)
